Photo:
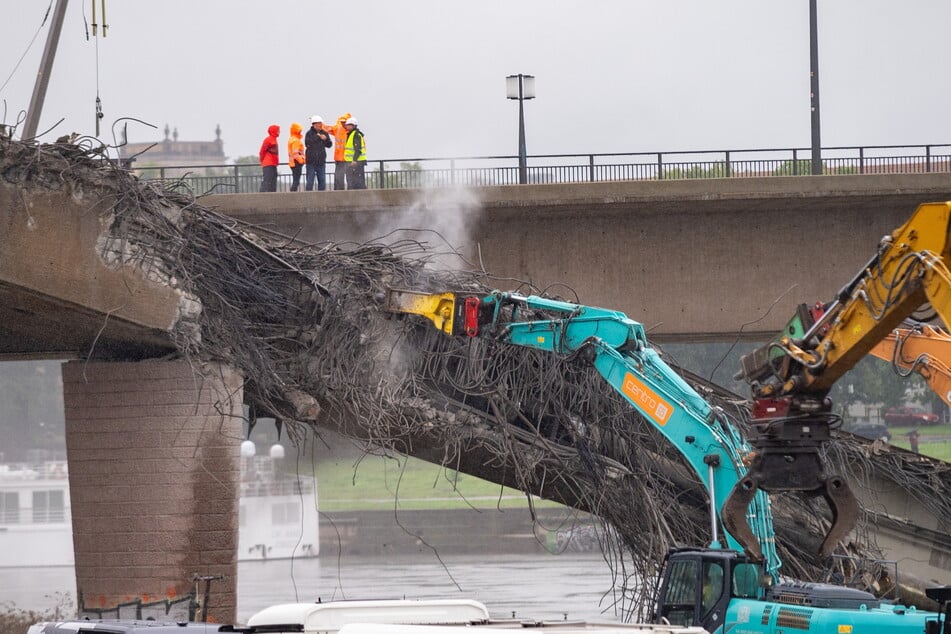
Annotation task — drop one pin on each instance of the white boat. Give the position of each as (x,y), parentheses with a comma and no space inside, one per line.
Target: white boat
(277,519)
(278,512)
(35,524)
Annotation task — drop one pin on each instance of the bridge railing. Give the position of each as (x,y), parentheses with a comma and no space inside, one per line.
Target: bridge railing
(577,168)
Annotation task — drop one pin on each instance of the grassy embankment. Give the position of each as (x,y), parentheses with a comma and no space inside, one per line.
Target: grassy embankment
(934,442)
(376,483)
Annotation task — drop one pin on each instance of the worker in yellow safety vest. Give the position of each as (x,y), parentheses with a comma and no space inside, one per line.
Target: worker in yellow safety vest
(355,153)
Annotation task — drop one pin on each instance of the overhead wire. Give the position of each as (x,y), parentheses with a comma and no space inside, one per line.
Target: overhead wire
(99,113)
(16,66)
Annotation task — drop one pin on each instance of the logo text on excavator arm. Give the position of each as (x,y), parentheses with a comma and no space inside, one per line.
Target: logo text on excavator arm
(647,399)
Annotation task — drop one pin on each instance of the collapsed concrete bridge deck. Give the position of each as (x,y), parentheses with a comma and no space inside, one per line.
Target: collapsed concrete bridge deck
(692,259)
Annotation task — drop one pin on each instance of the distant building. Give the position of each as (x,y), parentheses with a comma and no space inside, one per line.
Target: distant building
(172,152)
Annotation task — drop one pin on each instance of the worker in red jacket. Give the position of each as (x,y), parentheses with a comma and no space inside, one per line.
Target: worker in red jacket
(269,159)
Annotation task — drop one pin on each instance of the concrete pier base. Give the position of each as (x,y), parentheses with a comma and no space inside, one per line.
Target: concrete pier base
(153,451)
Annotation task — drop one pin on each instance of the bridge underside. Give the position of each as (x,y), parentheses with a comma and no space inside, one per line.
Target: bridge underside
(40,326)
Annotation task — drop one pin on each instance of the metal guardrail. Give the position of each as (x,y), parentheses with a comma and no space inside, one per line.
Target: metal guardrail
(415,173)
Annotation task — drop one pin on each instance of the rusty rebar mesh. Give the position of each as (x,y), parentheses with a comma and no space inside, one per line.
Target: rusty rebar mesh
(305,324)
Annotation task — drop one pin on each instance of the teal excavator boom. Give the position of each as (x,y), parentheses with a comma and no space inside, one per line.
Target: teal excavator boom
(617,347)
(728,589)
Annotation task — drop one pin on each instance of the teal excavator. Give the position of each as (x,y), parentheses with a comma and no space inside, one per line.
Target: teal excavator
(734,584)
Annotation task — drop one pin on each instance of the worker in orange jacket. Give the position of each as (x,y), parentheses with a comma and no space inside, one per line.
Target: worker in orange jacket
(295,155)
(341,165)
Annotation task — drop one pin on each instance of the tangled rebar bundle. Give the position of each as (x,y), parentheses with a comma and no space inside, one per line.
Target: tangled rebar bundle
(306,325)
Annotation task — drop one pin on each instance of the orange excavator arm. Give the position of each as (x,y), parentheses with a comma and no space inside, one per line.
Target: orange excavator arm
(922,349)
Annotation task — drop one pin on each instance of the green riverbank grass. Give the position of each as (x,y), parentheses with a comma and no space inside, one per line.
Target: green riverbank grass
(377,483)
(933,441)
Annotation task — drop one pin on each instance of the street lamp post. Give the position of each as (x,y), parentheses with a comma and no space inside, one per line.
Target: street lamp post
(814,87)
(521,87)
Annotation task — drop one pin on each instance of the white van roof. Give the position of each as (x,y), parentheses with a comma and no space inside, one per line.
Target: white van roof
(552,627)
(331,616)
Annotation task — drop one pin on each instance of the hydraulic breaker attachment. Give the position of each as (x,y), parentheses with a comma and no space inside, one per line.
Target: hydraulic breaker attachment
(452,313)
(787,459)
(439,308)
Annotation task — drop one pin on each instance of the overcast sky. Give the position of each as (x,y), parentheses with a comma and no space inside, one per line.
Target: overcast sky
(427,77)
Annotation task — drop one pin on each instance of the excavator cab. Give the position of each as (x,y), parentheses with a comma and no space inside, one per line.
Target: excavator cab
(942,596)
(724,591)
(698,584)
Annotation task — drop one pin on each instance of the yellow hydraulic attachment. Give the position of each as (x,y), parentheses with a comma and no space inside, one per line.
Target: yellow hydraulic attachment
(436,307)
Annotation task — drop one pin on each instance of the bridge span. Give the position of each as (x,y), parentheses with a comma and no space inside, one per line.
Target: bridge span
(693,260)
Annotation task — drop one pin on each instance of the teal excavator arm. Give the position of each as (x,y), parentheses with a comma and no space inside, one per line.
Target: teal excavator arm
(617,347)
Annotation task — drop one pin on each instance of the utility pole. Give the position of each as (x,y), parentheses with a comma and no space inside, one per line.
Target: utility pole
(43,76)
(814,87)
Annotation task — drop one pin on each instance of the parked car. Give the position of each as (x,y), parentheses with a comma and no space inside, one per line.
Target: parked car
(872,431)
(904,416)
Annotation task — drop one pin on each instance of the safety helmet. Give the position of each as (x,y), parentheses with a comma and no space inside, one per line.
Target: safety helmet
(316,119)
(351,121)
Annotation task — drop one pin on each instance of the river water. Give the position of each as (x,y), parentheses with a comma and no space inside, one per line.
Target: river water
(533,586)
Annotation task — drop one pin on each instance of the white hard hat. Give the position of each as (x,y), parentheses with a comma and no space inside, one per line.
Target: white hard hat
(316,119)
(351,121)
